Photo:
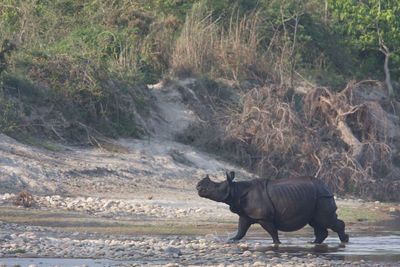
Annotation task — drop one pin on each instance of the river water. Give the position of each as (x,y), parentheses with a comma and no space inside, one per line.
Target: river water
(378,243)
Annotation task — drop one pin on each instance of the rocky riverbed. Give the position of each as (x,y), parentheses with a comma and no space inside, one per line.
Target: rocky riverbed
(28,240)
(205,250)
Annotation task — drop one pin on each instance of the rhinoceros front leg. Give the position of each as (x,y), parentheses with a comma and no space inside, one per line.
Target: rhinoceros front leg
(244,224)
(271,229)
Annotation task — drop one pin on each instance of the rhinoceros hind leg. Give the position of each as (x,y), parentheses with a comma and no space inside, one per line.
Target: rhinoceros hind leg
(338,227)
(320,233)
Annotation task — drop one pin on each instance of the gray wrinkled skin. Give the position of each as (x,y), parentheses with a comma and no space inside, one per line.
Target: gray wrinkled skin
(285,205)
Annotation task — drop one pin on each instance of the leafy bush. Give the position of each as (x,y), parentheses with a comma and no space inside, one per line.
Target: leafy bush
(91,59)
(91,65)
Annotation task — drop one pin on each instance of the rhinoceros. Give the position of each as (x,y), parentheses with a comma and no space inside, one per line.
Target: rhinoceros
(284,204)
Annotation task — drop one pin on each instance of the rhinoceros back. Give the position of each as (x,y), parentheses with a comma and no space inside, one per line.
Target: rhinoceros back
(294,201)
(322,189)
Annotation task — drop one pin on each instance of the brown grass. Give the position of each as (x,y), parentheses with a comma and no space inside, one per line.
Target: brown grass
(266,128)
(24,199)
(206,46)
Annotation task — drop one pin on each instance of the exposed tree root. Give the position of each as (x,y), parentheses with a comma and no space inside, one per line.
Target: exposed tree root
(339,137)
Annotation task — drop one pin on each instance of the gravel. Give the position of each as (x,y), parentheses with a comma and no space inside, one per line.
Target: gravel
(25,241)
(42,242)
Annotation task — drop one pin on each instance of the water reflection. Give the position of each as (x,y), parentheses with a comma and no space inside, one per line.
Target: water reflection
(377,243)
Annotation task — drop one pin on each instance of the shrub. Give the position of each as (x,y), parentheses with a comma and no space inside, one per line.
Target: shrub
(24,199)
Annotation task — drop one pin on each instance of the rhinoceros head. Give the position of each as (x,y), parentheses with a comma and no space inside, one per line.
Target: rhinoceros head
(213,190)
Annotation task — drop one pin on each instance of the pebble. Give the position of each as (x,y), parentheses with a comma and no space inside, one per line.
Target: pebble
(244,246)
(174,251)
(110,207)
(258,254)
(208,250)
(246,253)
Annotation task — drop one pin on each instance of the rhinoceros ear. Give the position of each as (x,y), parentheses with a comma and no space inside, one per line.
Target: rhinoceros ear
(230,176)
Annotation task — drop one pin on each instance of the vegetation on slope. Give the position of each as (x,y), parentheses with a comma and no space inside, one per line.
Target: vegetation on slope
(76,71)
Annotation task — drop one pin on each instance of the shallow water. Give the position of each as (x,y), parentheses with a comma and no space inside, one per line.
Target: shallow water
(379,243)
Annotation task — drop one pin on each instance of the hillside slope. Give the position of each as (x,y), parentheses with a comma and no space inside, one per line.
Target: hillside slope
(153,166)
(350,139)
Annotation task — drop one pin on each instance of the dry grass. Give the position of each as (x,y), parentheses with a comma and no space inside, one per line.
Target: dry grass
(24,199)
(266,128)
(194,50)
(206,46)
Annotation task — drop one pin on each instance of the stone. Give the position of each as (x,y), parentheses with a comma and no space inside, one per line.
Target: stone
(258,254)
(244,247)
(108,204)
(246,253)
(260,248)
(173,251)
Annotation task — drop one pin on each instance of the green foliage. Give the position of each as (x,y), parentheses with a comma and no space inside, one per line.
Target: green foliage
(87,57)
(18,86)
(17,251)
(9,116)
(5,50)
(365,18)
(370,25)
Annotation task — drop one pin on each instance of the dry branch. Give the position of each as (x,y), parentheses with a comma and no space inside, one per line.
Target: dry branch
(338,137)
(24,199)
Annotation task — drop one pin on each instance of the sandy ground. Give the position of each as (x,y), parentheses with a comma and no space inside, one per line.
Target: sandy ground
(160,168)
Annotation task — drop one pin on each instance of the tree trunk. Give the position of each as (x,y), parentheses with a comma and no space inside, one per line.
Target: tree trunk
(387,74)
